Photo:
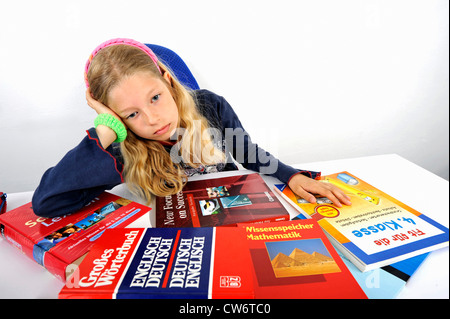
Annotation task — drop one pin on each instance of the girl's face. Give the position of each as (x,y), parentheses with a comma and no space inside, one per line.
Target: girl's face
(145,105)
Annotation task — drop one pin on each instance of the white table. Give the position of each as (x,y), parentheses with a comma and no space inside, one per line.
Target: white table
(21,277)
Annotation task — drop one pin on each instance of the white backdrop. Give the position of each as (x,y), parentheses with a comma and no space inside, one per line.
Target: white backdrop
(310,80)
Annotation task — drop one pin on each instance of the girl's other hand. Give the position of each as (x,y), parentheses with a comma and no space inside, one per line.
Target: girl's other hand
(305,187)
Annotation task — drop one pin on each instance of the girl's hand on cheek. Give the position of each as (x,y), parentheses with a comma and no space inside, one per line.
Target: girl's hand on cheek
(99,107)
(105,134)
(305,187)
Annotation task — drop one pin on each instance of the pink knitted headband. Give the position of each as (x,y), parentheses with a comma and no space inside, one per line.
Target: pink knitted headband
(117,41)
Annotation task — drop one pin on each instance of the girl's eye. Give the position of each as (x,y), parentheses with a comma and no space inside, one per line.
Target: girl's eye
(132,115)
(156,98)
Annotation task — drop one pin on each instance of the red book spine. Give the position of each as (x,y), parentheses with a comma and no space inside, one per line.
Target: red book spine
(24,244)
(58,242)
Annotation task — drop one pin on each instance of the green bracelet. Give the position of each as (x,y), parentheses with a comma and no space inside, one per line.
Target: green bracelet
(113,123)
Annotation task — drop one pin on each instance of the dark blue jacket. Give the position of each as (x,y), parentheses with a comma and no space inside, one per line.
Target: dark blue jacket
(88,169)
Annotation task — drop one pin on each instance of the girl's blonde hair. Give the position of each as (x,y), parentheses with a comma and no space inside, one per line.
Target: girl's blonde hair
(148,167)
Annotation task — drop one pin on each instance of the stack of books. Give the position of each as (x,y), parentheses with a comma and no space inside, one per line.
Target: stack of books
(324,252)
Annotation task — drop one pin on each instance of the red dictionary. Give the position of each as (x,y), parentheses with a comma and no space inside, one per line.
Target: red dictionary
(284,260)
(195,263)
(60,243)
(294,259)
(219,202)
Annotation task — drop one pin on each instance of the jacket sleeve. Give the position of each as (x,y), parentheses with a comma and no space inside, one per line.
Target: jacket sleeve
(82,174)
(249,154)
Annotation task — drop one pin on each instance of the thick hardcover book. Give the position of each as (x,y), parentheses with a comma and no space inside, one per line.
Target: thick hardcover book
(219,202)
(195,263)
(59,243)
(294,259)
(376,230)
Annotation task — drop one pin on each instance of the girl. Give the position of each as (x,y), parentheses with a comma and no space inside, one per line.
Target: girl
(153,133)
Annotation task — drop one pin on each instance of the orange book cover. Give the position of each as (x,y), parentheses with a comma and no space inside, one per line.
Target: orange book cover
(376,230)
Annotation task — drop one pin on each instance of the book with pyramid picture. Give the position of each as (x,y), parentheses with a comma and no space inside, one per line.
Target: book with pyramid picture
(299,262)
(295,259)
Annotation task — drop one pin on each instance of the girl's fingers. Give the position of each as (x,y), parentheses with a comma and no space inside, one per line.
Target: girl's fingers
(305,187)
(305,195)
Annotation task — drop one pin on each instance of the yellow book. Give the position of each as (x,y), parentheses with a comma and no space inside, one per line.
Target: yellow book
(354,191)
(376,230)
